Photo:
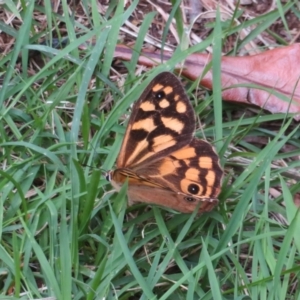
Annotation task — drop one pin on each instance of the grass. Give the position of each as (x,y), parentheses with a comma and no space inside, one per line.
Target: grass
(64,233)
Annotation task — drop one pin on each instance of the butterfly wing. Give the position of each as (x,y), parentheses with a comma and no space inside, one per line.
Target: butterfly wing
(162,161)
(193,171)
(168,198)
(179,181)
(162,121)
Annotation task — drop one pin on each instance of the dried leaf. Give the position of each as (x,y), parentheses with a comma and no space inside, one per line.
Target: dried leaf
(269,79)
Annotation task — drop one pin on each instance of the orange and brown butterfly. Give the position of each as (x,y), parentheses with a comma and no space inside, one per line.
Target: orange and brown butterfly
(162,160)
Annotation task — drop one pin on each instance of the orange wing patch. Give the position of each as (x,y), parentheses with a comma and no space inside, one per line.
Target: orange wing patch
(205,162)
(147,106)
(164,103)
(173,124)
(181,107)
(162,142)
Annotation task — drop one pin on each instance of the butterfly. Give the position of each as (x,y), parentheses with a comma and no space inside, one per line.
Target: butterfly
(160,157)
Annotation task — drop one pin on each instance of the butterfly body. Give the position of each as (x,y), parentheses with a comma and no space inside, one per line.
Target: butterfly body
(161,159)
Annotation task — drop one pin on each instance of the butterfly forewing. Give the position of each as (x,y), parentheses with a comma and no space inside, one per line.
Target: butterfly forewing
(162,120)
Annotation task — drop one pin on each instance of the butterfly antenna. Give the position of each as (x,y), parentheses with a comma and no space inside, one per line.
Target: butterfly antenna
(102,170)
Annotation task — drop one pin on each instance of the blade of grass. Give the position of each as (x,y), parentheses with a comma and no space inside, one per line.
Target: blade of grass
(217,92)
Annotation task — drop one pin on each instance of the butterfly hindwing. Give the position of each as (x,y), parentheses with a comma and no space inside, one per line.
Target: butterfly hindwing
(162,120)
(181,180)
(193,170)
(167,198)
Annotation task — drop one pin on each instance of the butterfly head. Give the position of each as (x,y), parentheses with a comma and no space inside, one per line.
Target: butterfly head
(108,175)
